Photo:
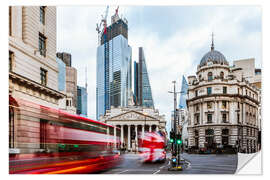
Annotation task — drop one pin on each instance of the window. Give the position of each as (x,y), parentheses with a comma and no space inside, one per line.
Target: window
(209,105)
(11,60)
(42,45)
(209,118)
(224,90)
(66,102)
(42,14)
(196,133)
(225,138)
(224,104)
(43,124)
(224,118)
(238,105)
(196,93)
(209,90)
(209,132)
(200,77)
(238,90)
(210,76)
(10,20)
(238,118)
(43,76)
(197,119)
(225,131)
(197,107)
(221,75)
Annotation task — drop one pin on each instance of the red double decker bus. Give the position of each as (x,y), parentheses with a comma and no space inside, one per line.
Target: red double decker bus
(44,140)
(152,147)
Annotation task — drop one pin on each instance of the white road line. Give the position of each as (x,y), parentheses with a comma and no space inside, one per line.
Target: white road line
(156,172)
(123,171)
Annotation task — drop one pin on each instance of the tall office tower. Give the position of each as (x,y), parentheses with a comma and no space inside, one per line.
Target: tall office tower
(142,88)
(82,101)
(113,66)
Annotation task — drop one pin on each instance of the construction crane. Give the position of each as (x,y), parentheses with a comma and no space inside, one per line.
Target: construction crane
(103,20)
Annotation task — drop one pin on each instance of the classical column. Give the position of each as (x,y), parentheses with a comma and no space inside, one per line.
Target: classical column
(114,135)
(136,139)
(128,137)
(142,130)
(150,128)
(122,135)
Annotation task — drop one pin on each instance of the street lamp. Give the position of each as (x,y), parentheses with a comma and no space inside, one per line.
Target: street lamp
(174,129)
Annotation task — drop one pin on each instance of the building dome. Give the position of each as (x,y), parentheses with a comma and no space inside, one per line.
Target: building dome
(213,56)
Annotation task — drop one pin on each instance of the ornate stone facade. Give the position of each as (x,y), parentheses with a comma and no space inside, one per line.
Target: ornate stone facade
(33,70)
(134,120)
(223,107)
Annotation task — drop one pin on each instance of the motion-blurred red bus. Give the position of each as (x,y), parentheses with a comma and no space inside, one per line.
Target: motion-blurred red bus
(152,147)
(44,140)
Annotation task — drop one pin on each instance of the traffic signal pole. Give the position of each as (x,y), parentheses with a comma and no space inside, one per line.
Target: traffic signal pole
(176,144)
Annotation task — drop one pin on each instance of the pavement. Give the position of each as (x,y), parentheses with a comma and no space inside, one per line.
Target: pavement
(195,164)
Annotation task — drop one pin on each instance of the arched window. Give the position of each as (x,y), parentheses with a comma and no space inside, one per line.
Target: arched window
(200,77)
(210,76)
(221,75)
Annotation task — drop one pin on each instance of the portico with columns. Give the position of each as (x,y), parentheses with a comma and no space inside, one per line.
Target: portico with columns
(134,121)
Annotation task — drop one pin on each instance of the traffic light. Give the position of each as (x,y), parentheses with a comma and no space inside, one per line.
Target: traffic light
(172,136)
(179,138)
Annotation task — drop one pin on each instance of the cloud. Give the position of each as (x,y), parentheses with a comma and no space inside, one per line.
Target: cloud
(174,41)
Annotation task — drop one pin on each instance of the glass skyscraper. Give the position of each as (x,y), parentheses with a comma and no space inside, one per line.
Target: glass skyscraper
(142,88)
(82,101)
(113,68)
(183,96)
(61,75)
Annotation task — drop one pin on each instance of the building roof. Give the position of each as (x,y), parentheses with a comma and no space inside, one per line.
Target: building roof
(213,56)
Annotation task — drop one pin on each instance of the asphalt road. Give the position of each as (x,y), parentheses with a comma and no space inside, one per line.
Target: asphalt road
(197,164)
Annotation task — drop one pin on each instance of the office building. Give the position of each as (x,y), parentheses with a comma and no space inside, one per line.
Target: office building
(113,67)
(223,106)
(142,88)
(82,101)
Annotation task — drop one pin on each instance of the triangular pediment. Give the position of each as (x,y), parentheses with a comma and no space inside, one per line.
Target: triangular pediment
(132,115)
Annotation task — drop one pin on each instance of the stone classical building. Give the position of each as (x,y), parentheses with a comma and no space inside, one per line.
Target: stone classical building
(132,121)
(33,69)
(223,106)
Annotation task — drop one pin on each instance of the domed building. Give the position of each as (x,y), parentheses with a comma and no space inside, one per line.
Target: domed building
(223,107)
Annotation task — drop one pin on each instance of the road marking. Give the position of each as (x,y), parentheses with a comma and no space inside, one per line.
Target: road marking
(156,172)
(123,171)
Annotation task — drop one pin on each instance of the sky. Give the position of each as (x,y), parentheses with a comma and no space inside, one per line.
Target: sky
(174,38)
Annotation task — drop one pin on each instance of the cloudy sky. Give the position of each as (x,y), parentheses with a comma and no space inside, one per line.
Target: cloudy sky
(174,39)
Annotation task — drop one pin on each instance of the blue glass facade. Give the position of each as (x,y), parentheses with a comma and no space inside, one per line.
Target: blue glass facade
(183,96)
(61,75)
(113,74)
(142,88)
(82,101)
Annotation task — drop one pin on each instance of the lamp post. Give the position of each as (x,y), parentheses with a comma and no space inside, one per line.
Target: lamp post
(174,129)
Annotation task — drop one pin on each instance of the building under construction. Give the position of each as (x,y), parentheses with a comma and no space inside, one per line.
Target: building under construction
(113,64)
